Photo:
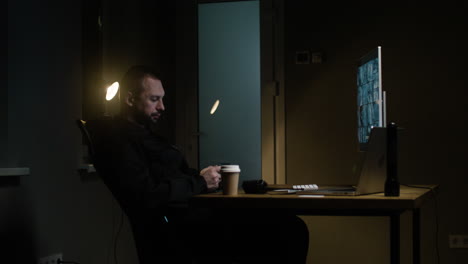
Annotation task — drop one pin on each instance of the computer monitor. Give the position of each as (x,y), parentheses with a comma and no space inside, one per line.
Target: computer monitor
(370,96)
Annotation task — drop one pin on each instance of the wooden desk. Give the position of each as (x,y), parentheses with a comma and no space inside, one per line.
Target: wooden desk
(410,198)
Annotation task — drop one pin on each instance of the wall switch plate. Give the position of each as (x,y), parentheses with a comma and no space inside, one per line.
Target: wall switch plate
(302,57)
(458,241)
(51,259)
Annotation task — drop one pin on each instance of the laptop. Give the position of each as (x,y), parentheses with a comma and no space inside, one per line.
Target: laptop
(372,172)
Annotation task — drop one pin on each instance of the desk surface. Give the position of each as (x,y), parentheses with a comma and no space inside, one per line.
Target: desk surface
(410,198)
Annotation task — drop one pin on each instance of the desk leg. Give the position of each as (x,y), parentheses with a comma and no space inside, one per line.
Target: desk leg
(416,236)
(395,238)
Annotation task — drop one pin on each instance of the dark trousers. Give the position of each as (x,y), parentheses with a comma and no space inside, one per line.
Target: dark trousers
(241,236)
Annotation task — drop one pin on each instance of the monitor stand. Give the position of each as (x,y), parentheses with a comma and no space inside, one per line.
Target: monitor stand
(374,165)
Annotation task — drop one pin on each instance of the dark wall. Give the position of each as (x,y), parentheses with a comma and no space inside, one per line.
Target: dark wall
(4,93)
(42,99)
(53,209)
(424,64)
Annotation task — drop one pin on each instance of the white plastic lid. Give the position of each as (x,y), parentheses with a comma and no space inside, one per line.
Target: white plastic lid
(230,168)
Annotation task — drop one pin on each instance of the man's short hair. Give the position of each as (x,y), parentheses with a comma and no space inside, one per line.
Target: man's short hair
(132,80)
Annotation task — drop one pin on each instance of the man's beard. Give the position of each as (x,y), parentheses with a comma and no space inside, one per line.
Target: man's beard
(147,121)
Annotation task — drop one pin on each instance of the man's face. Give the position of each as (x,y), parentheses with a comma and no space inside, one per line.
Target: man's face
(148,105)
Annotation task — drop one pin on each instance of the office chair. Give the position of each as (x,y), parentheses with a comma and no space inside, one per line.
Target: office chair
(92,158)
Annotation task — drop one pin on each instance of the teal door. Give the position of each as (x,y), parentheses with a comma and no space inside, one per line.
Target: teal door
(229,71)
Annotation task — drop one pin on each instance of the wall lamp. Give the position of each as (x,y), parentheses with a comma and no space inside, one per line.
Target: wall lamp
(112,100)
(112,90)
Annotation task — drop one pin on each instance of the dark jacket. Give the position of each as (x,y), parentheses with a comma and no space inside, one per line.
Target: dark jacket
(149,178)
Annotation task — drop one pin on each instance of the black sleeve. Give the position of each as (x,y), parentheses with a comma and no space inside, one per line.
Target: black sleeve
(154,183)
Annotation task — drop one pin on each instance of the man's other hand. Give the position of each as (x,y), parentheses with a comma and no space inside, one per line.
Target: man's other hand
(212,176)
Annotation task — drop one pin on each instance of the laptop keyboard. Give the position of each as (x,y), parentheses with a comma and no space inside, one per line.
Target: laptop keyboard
(305,187)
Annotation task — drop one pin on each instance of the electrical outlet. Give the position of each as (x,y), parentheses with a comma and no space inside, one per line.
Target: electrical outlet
(51,259)
(458,241)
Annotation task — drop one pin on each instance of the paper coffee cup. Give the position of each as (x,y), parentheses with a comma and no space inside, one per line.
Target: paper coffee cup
(230,179)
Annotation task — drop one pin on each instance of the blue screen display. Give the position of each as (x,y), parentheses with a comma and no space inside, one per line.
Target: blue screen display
(368,99)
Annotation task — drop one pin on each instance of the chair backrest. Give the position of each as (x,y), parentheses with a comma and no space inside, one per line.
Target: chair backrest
(96,137)
(88,141)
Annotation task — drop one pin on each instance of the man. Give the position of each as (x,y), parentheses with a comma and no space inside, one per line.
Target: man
(153,183)
(143,106)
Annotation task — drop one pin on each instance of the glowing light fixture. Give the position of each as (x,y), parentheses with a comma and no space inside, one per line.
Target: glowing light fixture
(215,106)
(112,91)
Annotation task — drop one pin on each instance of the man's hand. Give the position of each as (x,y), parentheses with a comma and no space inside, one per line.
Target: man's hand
(211,176)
